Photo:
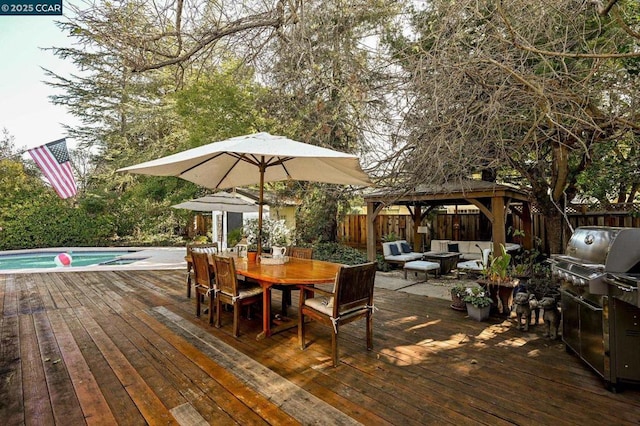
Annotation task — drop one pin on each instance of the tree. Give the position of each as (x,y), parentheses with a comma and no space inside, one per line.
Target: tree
(148,36)
(525,90)
(325,90)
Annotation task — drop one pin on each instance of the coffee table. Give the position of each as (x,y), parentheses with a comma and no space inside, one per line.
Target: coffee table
(447,260)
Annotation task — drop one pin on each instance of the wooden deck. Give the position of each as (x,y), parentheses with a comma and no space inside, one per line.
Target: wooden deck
(126,348)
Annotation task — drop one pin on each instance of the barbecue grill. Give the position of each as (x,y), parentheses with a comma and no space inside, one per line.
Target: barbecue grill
(599,277)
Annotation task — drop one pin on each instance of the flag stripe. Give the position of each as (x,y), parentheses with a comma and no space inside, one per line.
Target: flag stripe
(60,175)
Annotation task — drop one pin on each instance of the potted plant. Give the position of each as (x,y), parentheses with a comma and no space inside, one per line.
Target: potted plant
(457,294)
(498,281)
(478,303)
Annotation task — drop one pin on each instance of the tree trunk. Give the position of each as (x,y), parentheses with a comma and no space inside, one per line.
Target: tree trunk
(556,233)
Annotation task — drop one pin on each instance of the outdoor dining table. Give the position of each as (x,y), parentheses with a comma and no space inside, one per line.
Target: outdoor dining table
(295,272)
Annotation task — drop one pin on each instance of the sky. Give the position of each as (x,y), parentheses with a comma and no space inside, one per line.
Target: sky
(25,110)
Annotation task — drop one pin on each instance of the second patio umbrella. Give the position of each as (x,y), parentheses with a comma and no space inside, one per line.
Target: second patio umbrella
(256,159)
(222,202)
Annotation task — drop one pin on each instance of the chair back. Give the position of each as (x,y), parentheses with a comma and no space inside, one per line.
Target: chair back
(206,248)
(301,252)
(354,287)
(202,269)
(226,278)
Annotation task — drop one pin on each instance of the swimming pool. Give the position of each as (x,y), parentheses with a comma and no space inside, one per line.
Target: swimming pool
(46,259)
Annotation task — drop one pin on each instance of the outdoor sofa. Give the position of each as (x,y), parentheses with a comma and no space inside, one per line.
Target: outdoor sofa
(469,250)
(399,252)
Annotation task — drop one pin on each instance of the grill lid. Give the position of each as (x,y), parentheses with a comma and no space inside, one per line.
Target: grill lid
(590,244)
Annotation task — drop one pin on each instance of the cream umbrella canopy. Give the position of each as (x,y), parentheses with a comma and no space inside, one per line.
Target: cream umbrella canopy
(256,159)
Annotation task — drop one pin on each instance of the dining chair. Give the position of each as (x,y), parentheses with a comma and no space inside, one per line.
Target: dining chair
(300,253)
(204,282)
(351,299)
(209,248)
(230,291)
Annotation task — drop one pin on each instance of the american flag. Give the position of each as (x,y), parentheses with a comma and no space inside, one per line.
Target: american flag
(53,160)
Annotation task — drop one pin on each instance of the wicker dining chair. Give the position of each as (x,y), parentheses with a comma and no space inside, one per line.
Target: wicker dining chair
(232,292)
(204,284)
(210,248)
(351,299)
(300,253)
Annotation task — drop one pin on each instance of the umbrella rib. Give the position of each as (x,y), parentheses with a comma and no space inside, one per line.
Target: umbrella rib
(200,163)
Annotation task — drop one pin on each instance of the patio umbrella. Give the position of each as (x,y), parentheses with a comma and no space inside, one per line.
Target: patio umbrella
(256,159)
(220,201)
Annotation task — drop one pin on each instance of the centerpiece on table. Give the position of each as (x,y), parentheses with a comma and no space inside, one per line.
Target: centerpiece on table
(274,233)
(478,303)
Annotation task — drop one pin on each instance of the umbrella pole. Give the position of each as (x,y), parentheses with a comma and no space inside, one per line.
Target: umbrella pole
(260,203)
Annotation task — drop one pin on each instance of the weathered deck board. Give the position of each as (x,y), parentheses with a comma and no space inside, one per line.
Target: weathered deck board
(125,347)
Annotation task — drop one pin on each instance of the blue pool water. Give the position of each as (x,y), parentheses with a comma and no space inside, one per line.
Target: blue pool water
(47,259)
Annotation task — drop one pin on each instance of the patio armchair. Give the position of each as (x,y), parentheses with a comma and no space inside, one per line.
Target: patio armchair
(299,253)
(230,291)
(475,266)
(204,248)
(350,300)
(204,282)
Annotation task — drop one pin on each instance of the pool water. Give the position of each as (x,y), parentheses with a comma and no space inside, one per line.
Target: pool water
(47,259)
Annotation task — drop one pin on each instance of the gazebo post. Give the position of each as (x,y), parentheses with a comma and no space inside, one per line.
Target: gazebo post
(417,237)
(372,213)
(498,226)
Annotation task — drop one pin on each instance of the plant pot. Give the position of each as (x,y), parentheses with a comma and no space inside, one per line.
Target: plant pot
(478,314)
(252,256)
(458,304)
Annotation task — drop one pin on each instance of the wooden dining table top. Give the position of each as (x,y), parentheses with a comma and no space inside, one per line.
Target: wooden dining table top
(294,272)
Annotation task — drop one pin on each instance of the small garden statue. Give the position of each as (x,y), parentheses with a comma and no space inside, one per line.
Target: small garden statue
(551,317)
(525,303)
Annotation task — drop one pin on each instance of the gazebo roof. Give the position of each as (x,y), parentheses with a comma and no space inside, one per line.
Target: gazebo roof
(452,192)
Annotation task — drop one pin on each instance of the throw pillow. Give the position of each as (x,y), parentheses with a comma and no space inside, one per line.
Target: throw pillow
(405,247)
(394,249)
(453,248)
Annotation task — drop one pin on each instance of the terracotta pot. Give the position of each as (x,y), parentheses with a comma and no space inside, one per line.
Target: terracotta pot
(252,256)
(458,304)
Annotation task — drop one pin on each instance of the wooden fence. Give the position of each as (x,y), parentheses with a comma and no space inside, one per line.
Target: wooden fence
(473,226)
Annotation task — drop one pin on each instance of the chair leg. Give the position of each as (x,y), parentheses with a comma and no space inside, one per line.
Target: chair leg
(334,346)
(188,284)
(211,303)
(301,331)
(198,307)
(369,320)
(236,319)
(218,311)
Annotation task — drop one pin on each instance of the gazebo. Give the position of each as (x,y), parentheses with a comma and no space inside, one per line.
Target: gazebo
(492,199)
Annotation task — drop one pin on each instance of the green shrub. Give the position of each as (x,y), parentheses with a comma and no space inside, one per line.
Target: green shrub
(338,253)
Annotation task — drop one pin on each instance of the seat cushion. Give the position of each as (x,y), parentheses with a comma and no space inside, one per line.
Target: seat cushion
(421,265)
(471,265)
(322,304)
(404,257)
